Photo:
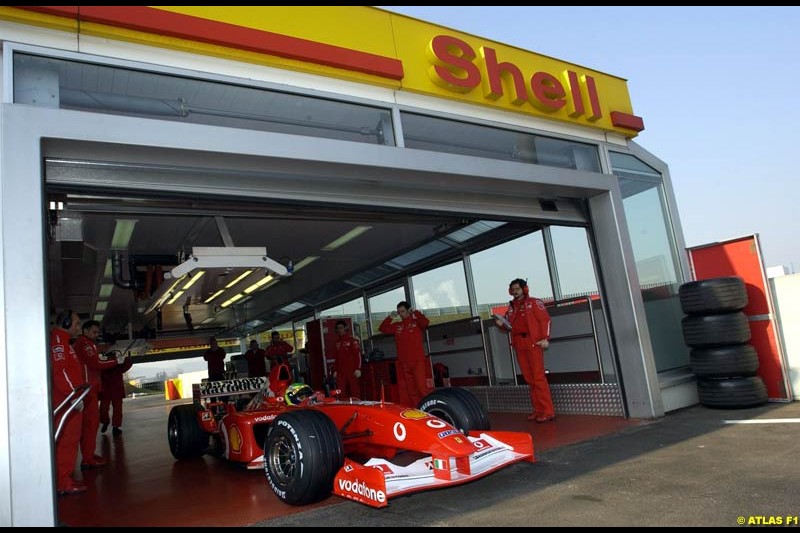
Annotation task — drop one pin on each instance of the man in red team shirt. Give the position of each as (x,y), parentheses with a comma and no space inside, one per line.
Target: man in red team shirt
(347,361)
(278,350)
(411,357)
(256,364)
(530,335)
(67,374)
(93,365)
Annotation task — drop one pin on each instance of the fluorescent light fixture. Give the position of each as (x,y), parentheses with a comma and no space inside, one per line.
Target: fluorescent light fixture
(292,307)
(101,306)
(209,319)
(122,233)
(98,317)
(208,300)
(262,282)
(232,300)
(108,273)
(175,297)
(194,278)
(347,237)
(305,262)
(105,290)
(239,278)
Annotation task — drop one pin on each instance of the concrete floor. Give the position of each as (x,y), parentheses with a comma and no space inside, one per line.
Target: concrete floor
(143,485)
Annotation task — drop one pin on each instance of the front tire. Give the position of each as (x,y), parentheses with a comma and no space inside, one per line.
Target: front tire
(302,454)
(186,437)
(458,407)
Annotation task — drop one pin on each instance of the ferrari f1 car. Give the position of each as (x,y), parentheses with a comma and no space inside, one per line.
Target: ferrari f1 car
(367,451)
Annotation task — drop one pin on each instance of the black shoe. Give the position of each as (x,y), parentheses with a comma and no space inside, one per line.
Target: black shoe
(116,431)
(104,428)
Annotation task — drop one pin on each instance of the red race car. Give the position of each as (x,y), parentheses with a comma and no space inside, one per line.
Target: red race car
(367,451)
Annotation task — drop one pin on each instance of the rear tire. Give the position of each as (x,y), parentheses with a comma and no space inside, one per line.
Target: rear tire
(458,407)
(724,361)
(186,437)
(713,296)
(303,452)
(732,393)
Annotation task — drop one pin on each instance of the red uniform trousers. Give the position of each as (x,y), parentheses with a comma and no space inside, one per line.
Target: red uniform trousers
(116,403)
(91,421)
(67,447)
(347,383)
(531,362)
(412,381)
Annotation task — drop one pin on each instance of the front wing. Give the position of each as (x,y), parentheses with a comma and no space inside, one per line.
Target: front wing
(374,482)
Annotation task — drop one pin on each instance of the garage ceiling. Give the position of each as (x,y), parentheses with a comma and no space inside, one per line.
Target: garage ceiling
(165,230)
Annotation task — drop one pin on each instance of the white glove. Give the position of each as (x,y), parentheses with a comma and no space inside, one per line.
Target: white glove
(358,373)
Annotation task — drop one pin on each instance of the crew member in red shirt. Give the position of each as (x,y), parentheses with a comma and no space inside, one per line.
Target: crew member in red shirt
(93,365)
(112,393)
(530,336)
(347,361)
(256,364)
(278,350)
(216,361)
(67,374)
(411,357)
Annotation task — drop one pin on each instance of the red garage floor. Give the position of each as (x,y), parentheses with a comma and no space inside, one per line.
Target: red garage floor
(144,486)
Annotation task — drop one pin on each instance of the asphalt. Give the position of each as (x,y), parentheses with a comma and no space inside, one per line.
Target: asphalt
(689,468)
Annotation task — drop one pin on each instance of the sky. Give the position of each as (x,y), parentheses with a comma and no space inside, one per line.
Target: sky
(717,89)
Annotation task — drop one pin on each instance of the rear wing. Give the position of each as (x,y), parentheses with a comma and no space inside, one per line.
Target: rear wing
(209,389)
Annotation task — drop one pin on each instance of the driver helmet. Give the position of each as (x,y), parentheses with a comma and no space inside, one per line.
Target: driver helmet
(296,393)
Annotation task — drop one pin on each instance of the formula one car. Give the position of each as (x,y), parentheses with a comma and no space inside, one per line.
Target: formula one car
(366,451)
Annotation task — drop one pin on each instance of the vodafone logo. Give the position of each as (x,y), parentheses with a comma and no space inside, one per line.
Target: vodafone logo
(361,489)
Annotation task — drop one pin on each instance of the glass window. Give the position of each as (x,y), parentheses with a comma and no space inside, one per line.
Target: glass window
(441,293)
(353,309)
(109,89)
(494,268)
(656,257)
(574,264)
(443,135)
(384,303)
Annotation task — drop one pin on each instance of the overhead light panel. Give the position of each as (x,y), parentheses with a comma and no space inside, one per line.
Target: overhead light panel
(98,317)
(194,278)
(347,237)
(260,283)
(105,290)
(229,257)
(210,298)
(305,262)
(101,306)
(122,233)
(208,320)
(236,298)
(175,297)
(239,278)
(108,273)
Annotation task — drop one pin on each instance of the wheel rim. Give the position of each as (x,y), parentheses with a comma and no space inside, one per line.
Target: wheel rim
(172,433)
(283,461)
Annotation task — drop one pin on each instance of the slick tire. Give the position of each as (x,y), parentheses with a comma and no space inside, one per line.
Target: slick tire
(186,437)
(732,393)
(713,296)
(303,452)
(716,330)
(724,361)
(458,407)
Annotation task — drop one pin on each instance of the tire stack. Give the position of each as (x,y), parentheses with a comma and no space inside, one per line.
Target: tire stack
(718,332)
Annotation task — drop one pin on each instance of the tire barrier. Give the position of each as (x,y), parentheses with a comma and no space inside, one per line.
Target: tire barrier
(718,332)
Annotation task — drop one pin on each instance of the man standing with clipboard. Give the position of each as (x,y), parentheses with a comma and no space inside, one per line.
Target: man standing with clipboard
(529,324)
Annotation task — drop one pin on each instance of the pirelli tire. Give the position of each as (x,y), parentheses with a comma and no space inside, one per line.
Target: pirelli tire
(716,330)
(724,361)
(713,296)
(458,407)
(303,451)
(732,393)
(186,437)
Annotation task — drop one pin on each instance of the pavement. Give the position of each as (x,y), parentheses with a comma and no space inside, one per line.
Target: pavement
(694,467)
